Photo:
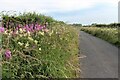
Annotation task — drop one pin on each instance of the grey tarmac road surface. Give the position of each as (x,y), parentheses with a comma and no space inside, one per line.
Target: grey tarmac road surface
(100,59)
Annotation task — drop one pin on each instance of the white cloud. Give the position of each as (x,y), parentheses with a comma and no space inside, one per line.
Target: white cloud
(51,6)
(105,15)
(45,6)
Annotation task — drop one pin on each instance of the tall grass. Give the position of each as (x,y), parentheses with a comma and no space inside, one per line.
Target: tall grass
(52,54)
(108,34)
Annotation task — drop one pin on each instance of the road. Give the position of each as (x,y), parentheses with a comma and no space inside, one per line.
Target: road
(100,59)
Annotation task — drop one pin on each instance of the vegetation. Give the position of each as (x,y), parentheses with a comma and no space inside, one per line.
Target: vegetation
(112,25)
(33,49)
(109,34)
(77,25)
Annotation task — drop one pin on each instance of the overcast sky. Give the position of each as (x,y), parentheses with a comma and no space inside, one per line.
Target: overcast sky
(71,11)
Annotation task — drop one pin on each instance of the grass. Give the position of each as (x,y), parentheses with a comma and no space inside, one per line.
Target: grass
(108,34)
(54,55)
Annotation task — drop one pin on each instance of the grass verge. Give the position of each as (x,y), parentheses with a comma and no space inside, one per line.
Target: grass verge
(108,34)
(42,55)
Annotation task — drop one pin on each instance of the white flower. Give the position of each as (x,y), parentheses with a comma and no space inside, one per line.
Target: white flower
(5,32)
(25,34)
(35,41)
(40,49)
(50,33)
(27,44)
(20,35)
(20,43)
(42,33)
(16,32)
(30,38)
(28,33)
(21,31)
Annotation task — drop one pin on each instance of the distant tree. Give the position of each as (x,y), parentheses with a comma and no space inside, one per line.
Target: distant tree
(79,25)
(94,24)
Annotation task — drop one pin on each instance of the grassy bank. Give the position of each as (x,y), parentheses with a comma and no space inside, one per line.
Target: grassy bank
(108,34)
(48,53)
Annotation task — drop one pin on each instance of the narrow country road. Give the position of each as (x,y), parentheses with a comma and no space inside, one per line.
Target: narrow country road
(100,59)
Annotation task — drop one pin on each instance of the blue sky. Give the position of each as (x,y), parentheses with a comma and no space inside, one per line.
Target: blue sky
(70,11)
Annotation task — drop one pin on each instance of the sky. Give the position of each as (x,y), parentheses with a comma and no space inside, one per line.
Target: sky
(69,11)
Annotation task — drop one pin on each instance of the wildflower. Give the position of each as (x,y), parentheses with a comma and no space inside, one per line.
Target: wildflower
(60,38)
(7,54)
(46,30)
(42,33)
(39,49)
(50,33)
(20,35)
(35,41)
(27,28)
(2,29)
(28,33)
(21,31)
(25,34)
(6,32)
(30,38)
(44,27)
(14,33)
(33,46)
(39,27)
(20,43)
(27,44)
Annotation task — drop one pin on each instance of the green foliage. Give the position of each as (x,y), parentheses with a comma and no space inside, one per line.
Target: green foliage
(112,25)
(41,54)
(26,18)
(108,34)
(78,25)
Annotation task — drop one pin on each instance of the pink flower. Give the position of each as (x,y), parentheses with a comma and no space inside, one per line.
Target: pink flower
(31,27)
(46,30)
(8,54)
(2,29)
(40,27)
(44,27)
(14,33)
